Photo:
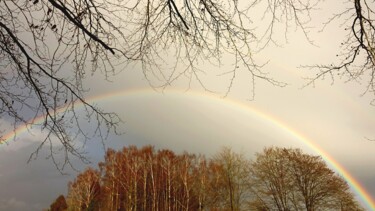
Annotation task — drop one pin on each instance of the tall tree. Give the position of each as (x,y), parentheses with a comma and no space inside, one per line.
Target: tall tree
(201,182)
(232,183)
(270,182)
(85,191)
(111,187)
(287,179)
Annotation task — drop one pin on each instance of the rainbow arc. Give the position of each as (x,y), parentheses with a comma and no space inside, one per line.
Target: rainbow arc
(364,196)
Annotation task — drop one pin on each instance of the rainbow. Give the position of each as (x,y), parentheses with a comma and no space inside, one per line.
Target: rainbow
(361,192)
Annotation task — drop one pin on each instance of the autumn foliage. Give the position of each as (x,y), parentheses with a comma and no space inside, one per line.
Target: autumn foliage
(146,179)
(59,204)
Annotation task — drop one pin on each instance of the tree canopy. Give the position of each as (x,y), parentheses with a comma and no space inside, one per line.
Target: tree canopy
(146,179)
(288,179)
(48,47)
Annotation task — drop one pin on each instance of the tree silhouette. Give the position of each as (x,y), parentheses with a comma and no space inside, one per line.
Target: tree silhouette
(356,61)
(48,47)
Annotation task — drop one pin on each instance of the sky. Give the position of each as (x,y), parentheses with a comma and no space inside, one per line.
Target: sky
(331,118)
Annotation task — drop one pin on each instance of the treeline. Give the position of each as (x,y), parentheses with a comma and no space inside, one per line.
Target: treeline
(146,179)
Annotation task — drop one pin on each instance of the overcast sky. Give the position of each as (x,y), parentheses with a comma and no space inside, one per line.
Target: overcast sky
(336,118)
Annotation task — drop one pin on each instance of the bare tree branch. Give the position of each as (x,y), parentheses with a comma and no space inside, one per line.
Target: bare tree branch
(48,46)
(356,62)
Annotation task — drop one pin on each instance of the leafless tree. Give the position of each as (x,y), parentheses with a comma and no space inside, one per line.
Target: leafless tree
(356,61)
(145,179)
(232,186)
(45,50)
(85,191)
(288,179)
(48,47)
